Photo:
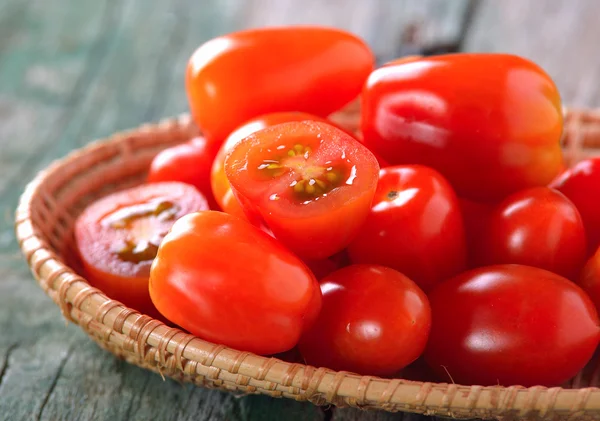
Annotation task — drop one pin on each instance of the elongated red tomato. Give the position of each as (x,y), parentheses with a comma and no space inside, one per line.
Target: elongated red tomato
(118,237)
(510,325)
(226,281)
(537,227)
(490,123)
(374,321)
(236,77)
(581,184)
(415,226)
(310,183)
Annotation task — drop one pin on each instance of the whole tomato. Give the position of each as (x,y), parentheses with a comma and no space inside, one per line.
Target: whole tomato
(236,77)
(510,325)
(537,227)
(581,184)
(590,278)
(374,321)
(490,123)
(226,281)
(476,217)
(414,226)
(189,163)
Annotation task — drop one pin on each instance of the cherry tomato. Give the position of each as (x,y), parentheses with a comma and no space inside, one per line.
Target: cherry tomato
(227,282)
(476,217)
(581,184)
(374,321)
(415,226)
(188,163)
(220,185)
(537,227)
(510,325)
(118,237)
(311,183)
(236,77)
(590,278)
(490,123)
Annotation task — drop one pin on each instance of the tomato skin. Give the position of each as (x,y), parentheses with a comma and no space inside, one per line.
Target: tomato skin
(538,227)
(189,163)
(324,224)
(374,321)
(98,242)
(500,325)
(466,114)
(210,261)
(590,278)
(581,184)
(329,68)
(415,226)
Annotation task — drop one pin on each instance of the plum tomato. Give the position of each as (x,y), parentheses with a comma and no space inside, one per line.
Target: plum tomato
(220,185)
(189,163)
(118,237)
(581,184)
(537,227)
(226,281)
(510,325)
(310,183)
(490,123)
(415,226)
(374,321)
(590,278)
(236,77)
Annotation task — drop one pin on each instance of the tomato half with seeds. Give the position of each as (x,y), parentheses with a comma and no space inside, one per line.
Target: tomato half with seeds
(118,237)
(310,183)
(233,78)
(226,281)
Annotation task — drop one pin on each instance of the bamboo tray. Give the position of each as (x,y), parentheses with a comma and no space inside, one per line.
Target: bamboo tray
(44,228)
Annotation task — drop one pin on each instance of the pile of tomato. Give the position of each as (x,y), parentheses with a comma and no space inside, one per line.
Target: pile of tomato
(444,233)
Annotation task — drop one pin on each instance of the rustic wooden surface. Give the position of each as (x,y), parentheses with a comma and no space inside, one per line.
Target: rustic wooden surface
(74,70)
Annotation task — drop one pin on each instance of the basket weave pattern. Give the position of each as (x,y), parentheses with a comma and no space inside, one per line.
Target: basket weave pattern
(44,227)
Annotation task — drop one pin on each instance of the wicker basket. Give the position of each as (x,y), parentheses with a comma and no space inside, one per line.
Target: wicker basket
(44,227)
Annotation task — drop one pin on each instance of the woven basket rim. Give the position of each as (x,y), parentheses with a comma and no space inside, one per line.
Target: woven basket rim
(194,358)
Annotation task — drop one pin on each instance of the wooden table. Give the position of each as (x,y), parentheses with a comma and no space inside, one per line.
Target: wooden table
(75,70)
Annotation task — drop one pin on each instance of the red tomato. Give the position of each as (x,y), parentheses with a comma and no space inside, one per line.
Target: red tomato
(590,278)
(510,325)
(118,237)
(537,227)
(227,282)
(581,184)
(188,163)
(236,77)
(311,184)
(476,217)
(220,185)
(490,123)
(415,226)
(374,321)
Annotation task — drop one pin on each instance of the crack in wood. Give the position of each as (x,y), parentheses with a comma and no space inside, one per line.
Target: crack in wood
(5,363)
(54,382)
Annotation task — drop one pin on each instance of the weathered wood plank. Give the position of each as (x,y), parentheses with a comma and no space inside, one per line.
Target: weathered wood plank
(350,414)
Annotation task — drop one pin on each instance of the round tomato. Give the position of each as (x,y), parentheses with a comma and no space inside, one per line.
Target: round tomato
(236,77)
(537,227)
(226,281)
(374,321)
(415,226)
(581,184)
(476,217)
(118,237)
(188,163)
(490,123)
(309,182)
(510,325)
(590,278)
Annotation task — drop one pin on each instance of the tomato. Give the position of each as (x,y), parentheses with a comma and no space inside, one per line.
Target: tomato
(476,217)
(236,77)
(118,237)
(537,227)
(590,278)
(309,182)
(189,163)
(581,184)
(220,185)
(374,321)
(227,282)
(510,325)
(490,123)
(415,226)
